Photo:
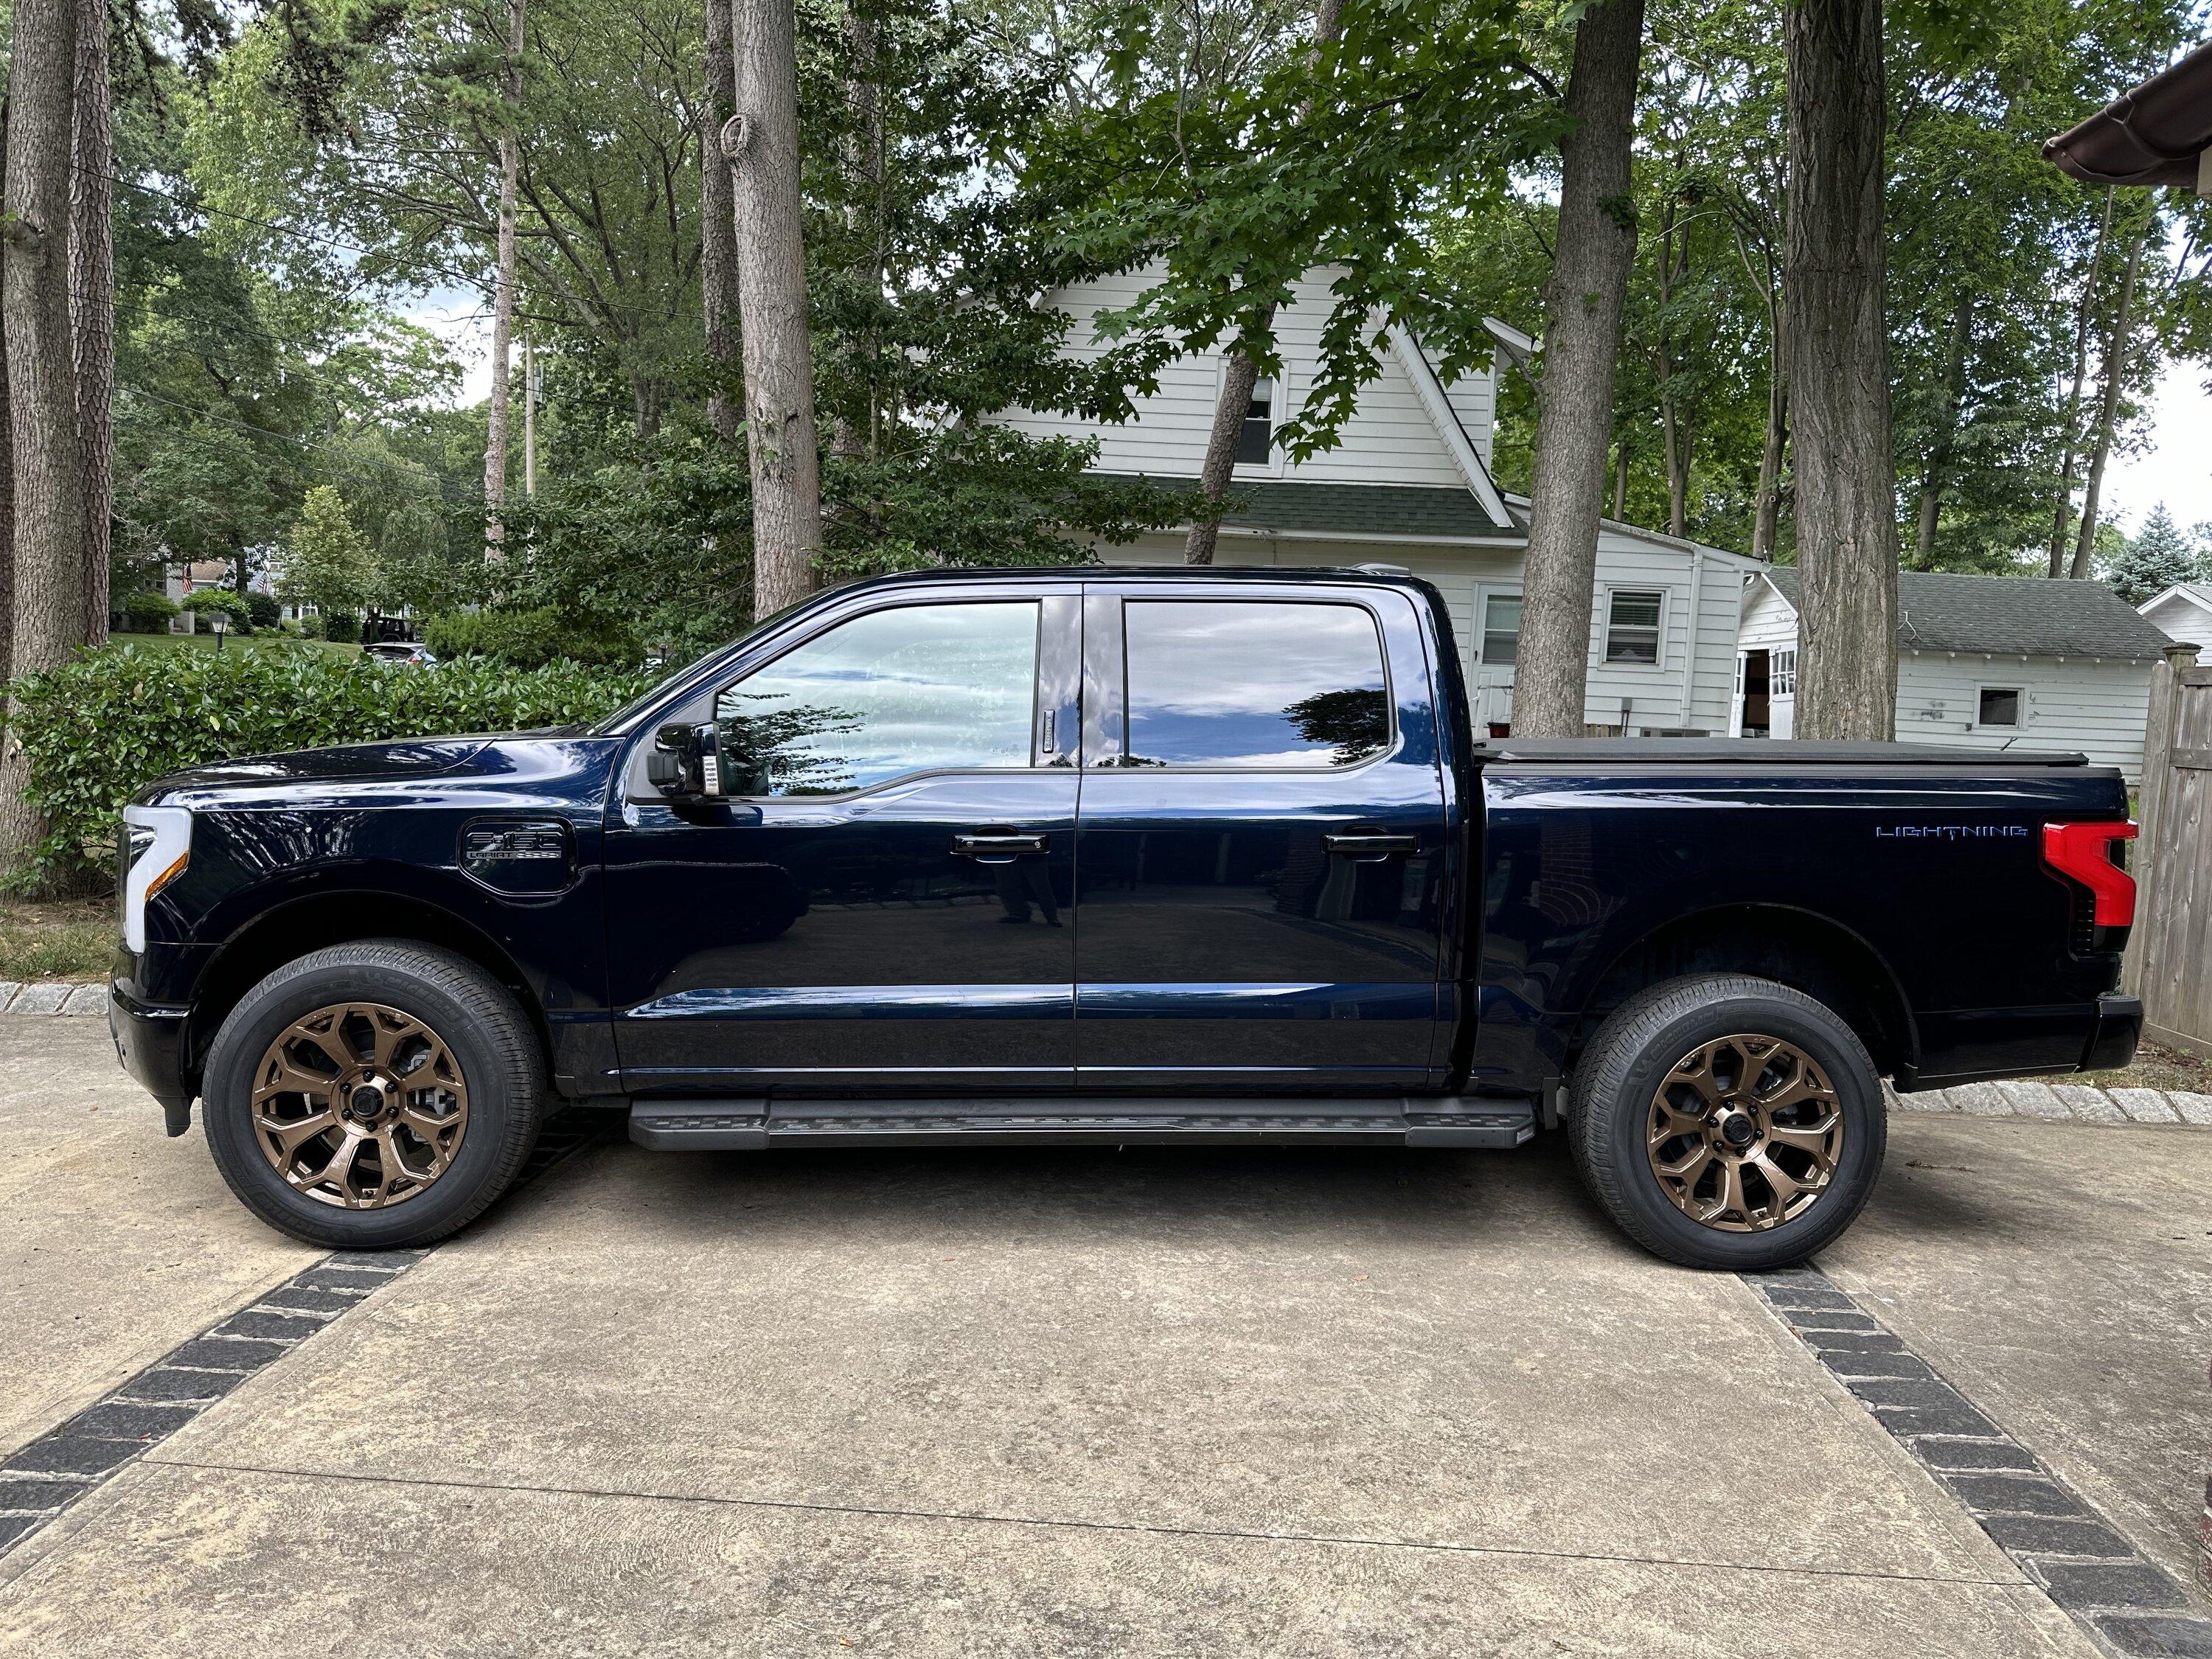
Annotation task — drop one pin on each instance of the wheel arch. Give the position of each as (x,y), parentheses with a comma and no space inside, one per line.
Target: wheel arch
(288,931)
(1814,953)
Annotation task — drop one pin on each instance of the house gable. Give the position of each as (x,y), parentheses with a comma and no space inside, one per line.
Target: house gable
(1407,428)
(2183,613)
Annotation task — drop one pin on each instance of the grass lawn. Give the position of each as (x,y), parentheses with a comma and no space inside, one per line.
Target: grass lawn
(69,939)
(205,642)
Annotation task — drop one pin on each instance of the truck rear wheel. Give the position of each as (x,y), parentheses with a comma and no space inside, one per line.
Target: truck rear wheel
(1728,1121)
(373,1095)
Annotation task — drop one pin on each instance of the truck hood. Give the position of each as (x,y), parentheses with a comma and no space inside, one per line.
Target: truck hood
(351,762)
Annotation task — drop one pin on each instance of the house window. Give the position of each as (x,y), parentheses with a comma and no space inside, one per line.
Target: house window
(1501,629)
(1999,705)
(1632,629)
(1782,674)
(1255,443)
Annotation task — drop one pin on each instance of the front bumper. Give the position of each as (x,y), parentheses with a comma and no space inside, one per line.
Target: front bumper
(2112,1039)
(149,1041)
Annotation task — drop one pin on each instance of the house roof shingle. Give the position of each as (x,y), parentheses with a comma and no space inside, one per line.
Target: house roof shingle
(1442,512)
(2028,615)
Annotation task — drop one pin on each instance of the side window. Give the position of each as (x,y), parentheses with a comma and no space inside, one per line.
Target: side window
(1632,631)
(1998,706)
(1273,684)
(1501,629)
(916,689)
(1255,438)
(1782,675)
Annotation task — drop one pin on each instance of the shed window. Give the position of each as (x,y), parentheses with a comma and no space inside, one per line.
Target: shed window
(1631,630)
(1255,442)
(1782,674)
(1999,705)
(1501,629)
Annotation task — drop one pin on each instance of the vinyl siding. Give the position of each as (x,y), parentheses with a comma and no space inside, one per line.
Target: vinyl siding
(1389,438)
(2181,619)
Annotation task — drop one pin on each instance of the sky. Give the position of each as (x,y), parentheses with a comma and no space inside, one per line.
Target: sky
(2175,466)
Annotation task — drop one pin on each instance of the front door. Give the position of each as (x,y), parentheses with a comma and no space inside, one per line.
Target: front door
(1261,843)
(883,903)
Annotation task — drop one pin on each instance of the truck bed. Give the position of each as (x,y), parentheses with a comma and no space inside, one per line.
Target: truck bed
(1791,752)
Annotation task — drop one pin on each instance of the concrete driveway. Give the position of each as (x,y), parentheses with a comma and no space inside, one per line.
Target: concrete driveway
(1105,1403)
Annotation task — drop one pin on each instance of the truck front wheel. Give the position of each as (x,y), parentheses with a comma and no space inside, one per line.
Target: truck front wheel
(1728,1121)
(372,1095)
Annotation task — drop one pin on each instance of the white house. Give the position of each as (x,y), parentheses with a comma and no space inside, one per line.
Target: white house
(2183,613)
(1410,484)
(1982,661)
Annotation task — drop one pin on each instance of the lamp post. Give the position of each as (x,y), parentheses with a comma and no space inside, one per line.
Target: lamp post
(219,621)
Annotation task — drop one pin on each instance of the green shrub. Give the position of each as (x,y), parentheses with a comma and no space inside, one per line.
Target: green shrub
(529,638)
(262,611)
(201,600)
(96,730)
(342,626)
(148,612)
(311,626)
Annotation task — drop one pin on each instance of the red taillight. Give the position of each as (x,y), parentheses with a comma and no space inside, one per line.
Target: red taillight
(2084,853)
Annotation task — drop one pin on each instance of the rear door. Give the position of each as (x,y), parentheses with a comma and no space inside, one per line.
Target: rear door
(1260,842)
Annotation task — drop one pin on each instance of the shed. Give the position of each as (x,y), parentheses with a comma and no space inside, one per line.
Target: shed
(1987,661)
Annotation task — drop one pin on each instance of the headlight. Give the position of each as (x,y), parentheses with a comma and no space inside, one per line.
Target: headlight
(158,842)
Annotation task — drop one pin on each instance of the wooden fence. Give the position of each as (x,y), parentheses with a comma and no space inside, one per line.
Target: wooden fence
(2169,962)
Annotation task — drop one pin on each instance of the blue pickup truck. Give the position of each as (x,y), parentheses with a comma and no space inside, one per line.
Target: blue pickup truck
(1084,857)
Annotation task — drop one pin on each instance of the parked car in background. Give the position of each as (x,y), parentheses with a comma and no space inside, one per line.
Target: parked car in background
(1118,857)
(399,653)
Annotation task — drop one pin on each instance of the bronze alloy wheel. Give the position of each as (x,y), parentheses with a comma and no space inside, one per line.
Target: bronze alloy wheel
(1745,1133)
(360,1106)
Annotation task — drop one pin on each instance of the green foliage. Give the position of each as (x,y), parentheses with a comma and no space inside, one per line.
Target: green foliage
(529,639)
(312,627)
(201,600)
(2155,558)
(327,562)
(263,610)
(98,729)
(146,611)
(341,627)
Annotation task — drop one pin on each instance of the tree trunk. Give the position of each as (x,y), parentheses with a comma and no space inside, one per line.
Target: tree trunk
(1835,274)
(49,591)
(1948,393)
(92,303)
(645,399)
(1620,482)
(2115,365)
(7,504)
(1239,375)
(502,311)
(718,235)
(1677,440)
(1766,511)
(2062,512)
(1596,246)
(761,142)
(864,168)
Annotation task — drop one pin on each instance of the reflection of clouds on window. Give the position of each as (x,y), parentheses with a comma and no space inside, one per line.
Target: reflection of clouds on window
(915,689)
(1259,683)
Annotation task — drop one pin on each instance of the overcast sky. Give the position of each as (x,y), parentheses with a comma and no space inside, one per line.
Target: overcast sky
(2175,467)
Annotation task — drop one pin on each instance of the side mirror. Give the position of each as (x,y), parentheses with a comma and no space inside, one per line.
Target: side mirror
(683,762)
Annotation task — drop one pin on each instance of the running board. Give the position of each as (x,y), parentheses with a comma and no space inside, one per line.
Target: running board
(750,1124)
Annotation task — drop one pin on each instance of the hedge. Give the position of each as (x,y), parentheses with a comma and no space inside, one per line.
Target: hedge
(528,639)
(113,719)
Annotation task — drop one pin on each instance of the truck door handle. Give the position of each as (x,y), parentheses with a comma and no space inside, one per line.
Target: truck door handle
(1361,844)
(996,848)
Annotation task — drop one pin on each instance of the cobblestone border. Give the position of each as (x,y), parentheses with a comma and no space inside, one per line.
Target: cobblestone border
(2057,1102)
(2131,1606)
(43,1478)
(79,1001)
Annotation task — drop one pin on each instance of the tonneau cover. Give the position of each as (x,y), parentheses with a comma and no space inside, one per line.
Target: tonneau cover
(1785,752)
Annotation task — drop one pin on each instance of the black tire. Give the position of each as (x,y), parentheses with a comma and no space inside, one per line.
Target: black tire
(488,1035)
(1611,1108)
